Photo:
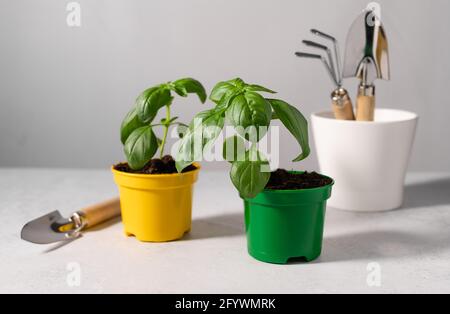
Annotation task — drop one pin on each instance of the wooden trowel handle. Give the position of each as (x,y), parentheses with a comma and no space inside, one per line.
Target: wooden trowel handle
(96,214)
(365,104)
(342,105)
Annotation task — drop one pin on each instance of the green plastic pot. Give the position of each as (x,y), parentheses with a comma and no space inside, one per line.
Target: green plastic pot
(286,225)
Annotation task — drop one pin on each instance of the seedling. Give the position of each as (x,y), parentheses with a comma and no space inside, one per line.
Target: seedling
(137,130)
(243,107)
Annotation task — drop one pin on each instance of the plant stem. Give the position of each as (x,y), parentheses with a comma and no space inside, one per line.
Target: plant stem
(166,131)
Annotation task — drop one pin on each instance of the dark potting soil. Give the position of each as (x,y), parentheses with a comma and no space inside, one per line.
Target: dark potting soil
(283,180)
(166,165)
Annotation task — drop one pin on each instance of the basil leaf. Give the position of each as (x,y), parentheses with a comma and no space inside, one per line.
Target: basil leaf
(247,113)
(226,100)
(129,124)
(151,100)
(238,82)
(203,131)
(235,86)
(295,122)
(220,90)
(234,149)
(259,88)
(180,90)
(140,147)
(227,89)
(190,86)
(248,177)
(143,100)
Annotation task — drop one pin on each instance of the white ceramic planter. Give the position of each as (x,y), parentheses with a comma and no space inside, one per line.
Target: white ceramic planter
(367,160)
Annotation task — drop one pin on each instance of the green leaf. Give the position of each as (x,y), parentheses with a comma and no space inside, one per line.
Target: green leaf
(226,101)
(234,149)
(140,147)
(151,100)
(295,122)
(180,91)
(212,124)
(187,86)
(247,113)
(248,177)
(129,124)
(203,131)
(220,90)
(238,82)
(259,88)
(228,88)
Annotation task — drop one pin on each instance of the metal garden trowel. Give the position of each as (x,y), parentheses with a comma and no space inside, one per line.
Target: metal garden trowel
(367,58)
(53,227)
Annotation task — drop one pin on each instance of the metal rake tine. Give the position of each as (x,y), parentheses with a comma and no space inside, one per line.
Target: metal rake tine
(324,61)
(330,57)
(308,55)
(323,35)
(336,51)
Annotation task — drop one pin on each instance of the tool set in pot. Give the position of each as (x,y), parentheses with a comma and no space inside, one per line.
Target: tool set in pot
(366,58)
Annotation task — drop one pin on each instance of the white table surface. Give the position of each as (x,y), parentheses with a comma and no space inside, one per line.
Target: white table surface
(411,245)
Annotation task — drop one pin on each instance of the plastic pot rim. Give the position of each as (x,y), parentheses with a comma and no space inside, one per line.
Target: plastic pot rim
(297,191)
(156,176)
(409,116)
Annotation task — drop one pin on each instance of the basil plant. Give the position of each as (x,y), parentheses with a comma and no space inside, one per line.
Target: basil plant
(242,106)
(137,130)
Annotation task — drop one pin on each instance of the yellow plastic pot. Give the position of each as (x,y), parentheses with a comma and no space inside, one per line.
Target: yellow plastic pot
(156,208)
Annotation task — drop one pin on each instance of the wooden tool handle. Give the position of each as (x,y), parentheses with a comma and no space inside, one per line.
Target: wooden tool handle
(365,103)
(344,111)
(342,105)
(365,108)
(96,214)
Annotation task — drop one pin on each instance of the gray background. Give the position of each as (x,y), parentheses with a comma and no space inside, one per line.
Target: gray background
(64,91)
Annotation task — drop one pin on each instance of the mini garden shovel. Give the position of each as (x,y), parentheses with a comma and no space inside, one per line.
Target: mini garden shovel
(366,58)
(53,227)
